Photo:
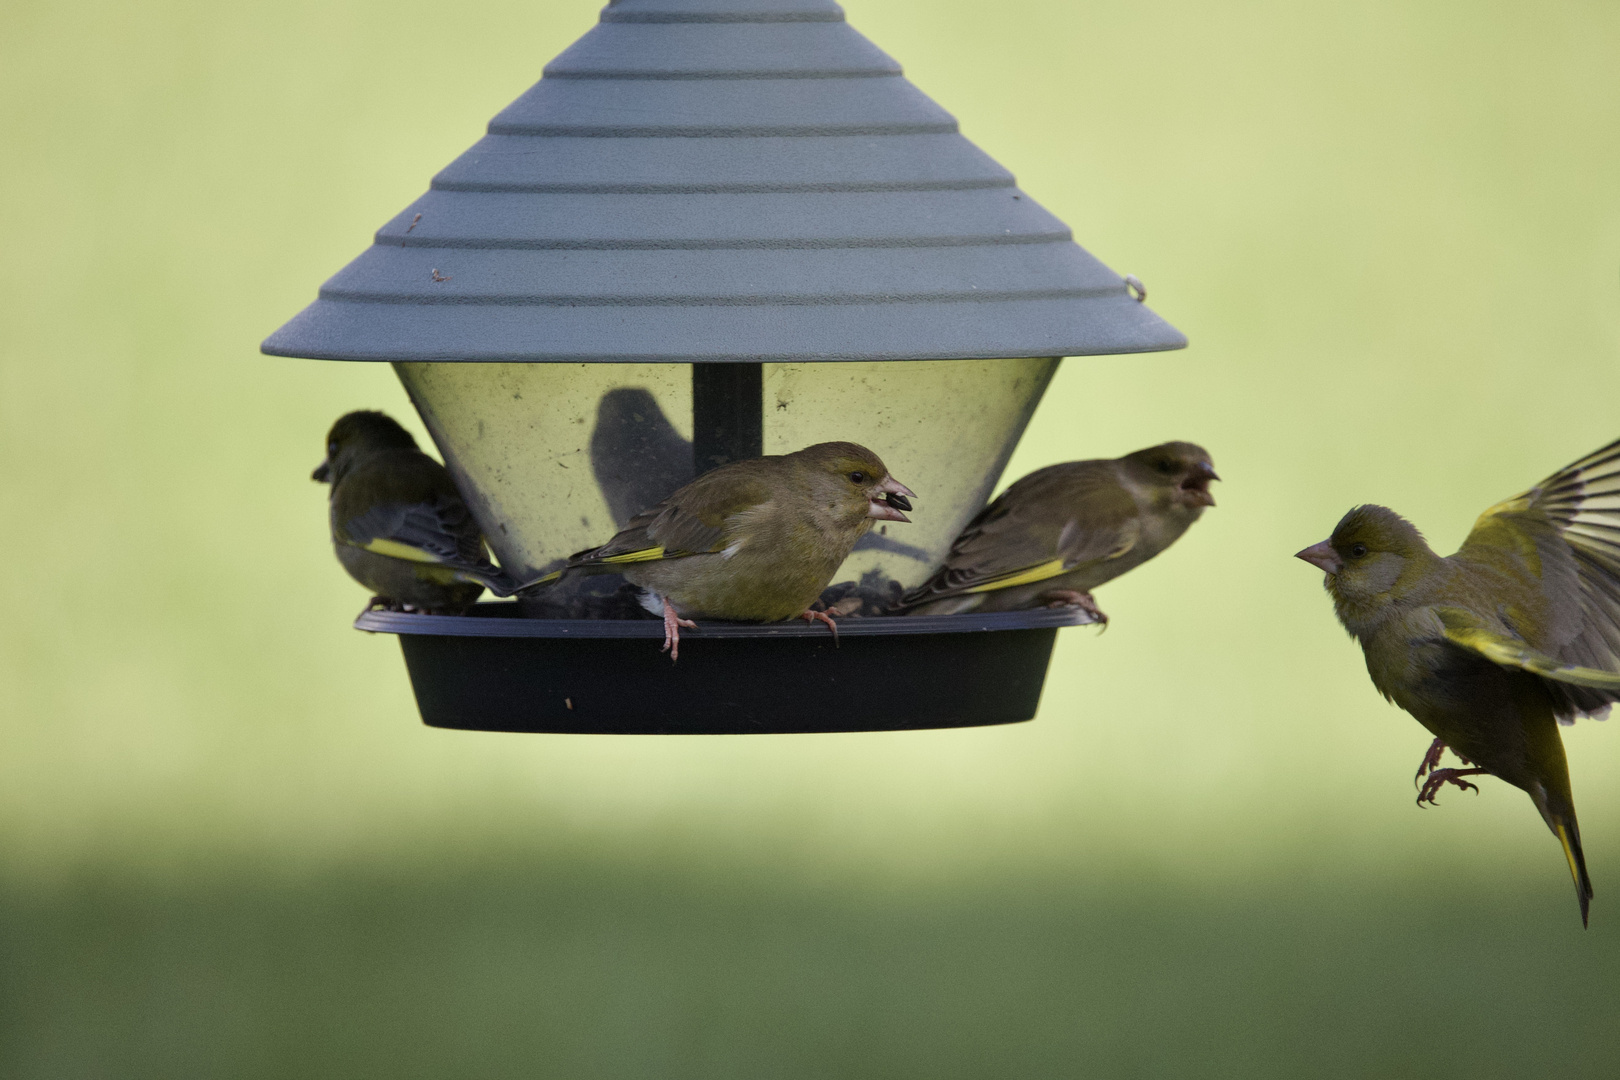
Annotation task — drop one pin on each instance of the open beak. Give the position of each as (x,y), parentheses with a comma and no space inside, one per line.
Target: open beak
(323,472)
(888,499)
(1195,489)
(1323,557)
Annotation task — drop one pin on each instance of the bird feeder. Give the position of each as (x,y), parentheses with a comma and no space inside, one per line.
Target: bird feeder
(716,229)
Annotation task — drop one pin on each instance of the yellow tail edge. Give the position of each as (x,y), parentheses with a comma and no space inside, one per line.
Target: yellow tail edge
(1577,867)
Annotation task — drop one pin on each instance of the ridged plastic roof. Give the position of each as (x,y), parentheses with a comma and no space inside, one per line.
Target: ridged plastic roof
(722,180)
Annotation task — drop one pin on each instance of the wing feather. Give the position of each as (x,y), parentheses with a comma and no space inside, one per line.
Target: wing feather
(700,518)
(437,529)
(1571,522)
(1464,631)
(1048,523)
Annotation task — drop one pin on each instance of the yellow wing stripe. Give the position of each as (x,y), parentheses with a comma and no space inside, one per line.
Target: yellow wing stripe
(1021,577)
(396,550)
(651,554)
(1511,653)
(644,555)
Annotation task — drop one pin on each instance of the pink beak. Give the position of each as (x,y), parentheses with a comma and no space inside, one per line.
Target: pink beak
(1323,557)
(887,500)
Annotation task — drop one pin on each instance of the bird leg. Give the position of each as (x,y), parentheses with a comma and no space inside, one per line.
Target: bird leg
(1062,598)
(1439,778)
(822,616)
(672,631)
(1431,760)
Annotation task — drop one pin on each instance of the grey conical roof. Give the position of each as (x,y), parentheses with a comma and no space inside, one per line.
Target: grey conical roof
(698,180)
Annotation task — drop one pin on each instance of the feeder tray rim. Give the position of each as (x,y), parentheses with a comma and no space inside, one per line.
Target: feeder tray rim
(343,356)
(488,624)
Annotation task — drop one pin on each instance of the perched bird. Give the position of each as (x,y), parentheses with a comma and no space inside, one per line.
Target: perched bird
(399,525)
(751,541)
(1063,530)
(1491,648)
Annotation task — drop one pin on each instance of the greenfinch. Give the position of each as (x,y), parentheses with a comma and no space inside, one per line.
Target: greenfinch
(1491,648)
(1061,531)
(399,526)
(751,541)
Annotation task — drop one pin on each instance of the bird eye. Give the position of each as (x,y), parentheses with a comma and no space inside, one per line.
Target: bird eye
(858,477)
(331,449)
(1358,551)
(1166,468)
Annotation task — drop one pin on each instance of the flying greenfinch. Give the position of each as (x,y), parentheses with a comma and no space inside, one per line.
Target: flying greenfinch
(1061,531)
(1491,648)
(399,526)
(751,541)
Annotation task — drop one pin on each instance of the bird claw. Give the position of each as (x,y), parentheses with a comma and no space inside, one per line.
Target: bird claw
(1072,598)
(672,632)
(1439,778)
(1430,762)
(821,616)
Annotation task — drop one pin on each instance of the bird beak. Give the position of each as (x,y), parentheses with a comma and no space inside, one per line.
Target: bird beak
(1323,557)
(323,472)
(888,499)
(1195,489)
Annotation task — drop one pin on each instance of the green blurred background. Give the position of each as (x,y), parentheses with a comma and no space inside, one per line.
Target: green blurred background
(228,848)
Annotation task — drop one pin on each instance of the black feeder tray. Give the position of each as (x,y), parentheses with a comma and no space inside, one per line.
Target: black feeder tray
(716,229)
(607,676)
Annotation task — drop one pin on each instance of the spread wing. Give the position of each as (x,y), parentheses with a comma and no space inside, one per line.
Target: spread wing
(1566,529)
(703,517)
(409,509)
(1050,522)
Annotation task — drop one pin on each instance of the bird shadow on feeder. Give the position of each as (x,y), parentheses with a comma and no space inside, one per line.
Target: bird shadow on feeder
(637,456)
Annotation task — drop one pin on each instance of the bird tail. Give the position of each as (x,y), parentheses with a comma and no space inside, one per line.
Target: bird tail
(1569,835)
(496,582)
(1548,788)
(1559,814)
(539,582)
(501,583)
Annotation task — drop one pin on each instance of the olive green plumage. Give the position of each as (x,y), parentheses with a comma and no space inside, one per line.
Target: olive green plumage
(1061,531)
(399,526)
(1492,647)
(756,540)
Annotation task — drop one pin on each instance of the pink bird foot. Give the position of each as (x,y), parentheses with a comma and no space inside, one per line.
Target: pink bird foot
(821,616)
(1439,778)
(1062,598)
(672,631)
(1430,762)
